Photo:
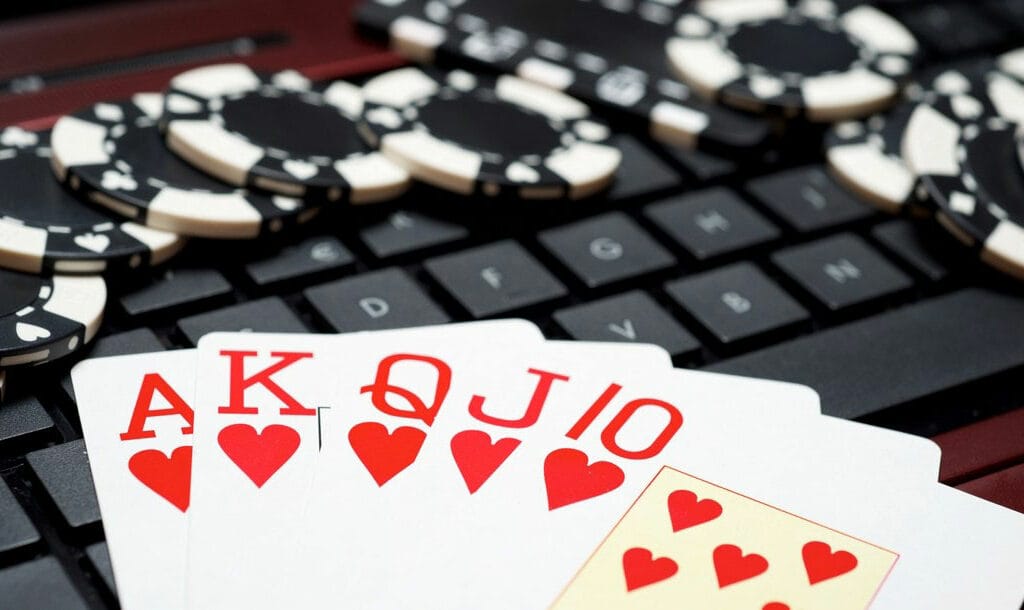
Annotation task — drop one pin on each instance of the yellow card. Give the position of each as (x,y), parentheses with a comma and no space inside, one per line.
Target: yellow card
(687,543)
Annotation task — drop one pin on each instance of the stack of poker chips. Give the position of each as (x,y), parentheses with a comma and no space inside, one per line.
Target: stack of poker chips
(228,153)
(950,147)
(725,75)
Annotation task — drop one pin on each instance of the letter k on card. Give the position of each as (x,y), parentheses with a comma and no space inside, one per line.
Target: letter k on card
(254,458)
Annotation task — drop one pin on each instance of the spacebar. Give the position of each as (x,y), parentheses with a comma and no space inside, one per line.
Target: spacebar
(899,356)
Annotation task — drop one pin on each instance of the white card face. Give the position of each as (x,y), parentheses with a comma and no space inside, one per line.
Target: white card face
(555,452)
(137,420)
(864,493)
(256,446)
(246,514)
(969,557)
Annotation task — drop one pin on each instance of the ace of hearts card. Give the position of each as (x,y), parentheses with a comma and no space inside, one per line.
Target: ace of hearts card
(138,420)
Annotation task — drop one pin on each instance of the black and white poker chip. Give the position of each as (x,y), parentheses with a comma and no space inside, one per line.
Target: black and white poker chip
(982,198)
(865,156)
(963,142)
(968,94)
(115,154)
(278,132)
(607,54)
(470,133)
(45,228)
(807,58)
(43,318)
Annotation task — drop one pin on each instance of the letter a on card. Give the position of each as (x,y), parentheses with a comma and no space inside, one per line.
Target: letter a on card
(137,418)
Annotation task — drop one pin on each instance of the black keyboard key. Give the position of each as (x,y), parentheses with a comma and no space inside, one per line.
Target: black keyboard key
(808,199)
(841,271)
(16,530)
(711,223)
(267,315)
(921,248)
(64,473)
(99,557)
(23,421)
(374,301)
(899,356)
(606,249)
(736,303)
(495,279)
(139,341)
(641,172)
(38,585)
(705,166)
(632,317)
(403,232)
(313,257)
(177,289)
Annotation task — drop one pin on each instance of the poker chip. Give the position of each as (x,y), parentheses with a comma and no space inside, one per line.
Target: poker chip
(808,58)
(115,154)
(277,132)
(45,228)
(622,70)
(969,94)
(964,142)
(497,136)
(43,318)
(865,157)
(978,186)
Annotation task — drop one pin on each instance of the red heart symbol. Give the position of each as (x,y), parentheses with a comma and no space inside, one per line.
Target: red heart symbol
(686,511)
(259,454)
(775,606)
(642,569)
(384,453)
(478,457)
(732,566)
(822,564)
(571,478)
(170,477)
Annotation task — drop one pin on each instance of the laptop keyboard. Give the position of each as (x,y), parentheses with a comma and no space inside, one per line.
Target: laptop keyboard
(887,318)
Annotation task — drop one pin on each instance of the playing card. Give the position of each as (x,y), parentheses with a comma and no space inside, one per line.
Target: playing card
(256,445)
(934,566)
(451,533)
(975,564)
(549,507)
(263,411)
(969,557)
(690,542)
(832,448)
(138,423)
